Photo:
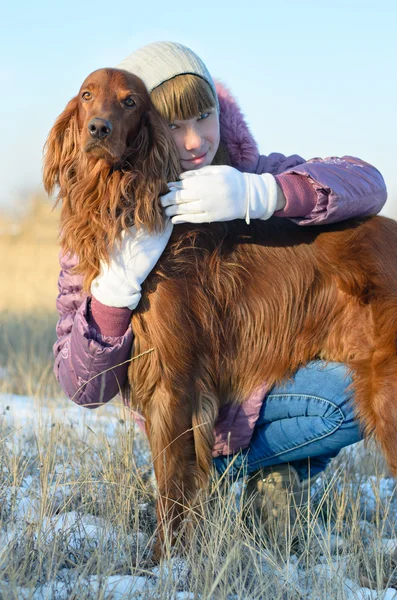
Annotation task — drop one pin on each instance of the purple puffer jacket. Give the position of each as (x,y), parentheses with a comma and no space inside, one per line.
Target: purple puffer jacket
(89,364)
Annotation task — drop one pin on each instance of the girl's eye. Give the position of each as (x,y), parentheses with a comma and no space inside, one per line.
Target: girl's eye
(203,115)
(172,126)
(130,102)
(86,96)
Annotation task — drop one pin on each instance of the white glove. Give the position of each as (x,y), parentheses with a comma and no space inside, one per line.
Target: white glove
(220,193)
(119,283)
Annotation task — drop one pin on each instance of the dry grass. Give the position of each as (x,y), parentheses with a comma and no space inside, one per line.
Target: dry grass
(28,281)
(101,486)
(102,483)
(26,354)
(29,259)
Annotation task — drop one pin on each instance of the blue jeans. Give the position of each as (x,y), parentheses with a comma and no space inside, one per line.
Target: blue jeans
(311,415)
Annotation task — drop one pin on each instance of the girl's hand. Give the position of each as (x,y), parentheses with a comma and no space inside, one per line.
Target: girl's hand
(119,283)
(220,193)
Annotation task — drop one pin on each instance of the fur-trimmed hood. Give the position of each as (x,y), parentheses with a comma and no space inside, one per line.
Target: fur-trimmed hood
(235,133)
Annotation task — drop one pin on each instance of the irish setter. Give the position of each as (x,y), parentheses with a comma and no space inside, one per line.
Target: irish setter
(228,305)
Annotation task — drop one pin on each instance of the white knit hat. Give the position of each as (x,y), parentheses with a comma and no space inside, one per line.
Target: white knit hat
(161,61)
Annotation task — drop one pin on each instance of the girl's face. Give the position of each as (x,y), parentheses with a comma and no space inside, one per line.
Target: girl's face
(197,139)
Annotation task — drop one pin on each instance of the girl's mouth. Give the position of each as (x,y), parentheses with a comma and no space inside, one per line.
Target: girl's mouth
(196,160)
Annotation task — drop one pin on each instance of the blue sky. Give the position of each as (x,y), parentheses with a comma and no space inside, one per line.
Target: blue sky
(313,78)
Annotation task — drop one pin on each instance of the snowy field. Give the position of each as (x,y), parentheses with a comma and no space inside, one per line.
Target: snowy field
(77,521)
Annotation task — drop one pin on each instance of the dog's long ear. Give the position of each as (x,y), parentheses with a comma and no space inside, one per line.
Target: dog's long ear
(159,166)
(61,147)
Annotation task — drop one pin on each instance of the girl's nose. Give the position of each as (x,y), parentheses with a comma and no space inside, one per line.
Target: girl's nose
(192,139)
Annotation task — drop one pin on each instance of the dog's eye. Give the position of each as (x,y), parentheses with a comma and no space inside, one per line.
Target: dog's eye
(130,102)
(86,96)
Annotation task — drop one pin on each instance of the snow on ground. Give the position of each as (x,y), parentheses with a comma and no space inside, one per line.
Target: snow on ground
(22,413)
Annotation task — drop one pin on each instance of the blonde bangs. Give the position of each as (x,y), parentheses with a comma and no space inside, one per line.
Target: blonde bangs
(183,97)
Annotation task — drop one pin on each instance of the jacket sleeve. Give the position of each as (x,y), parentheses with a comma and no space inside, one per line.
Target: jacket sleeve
(328,190)
(87,363)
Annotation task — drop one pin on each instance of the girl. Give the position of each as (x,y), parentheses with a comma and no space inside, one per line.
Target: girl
(223,178)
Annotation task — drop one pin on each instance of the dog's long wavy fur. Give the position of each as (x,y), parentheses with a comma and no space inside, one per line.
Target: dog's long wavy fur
(98,200)
(230,306)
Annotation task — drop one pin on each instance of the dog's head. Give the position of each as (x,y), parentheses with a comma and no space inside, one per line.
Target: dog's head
(111,154)
(112,107)
(111,119)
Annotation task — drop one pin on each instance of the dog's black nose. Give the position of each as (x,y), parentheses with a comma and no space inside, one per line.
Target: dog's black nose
(99,128)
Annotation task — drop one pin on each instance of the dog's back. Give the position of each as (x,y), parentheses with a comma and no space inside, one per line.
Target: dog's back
(254,302)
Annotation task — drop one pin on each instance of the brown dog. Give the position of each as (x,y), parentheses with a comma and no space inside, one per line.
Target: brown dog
(111,155)
(228,305)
